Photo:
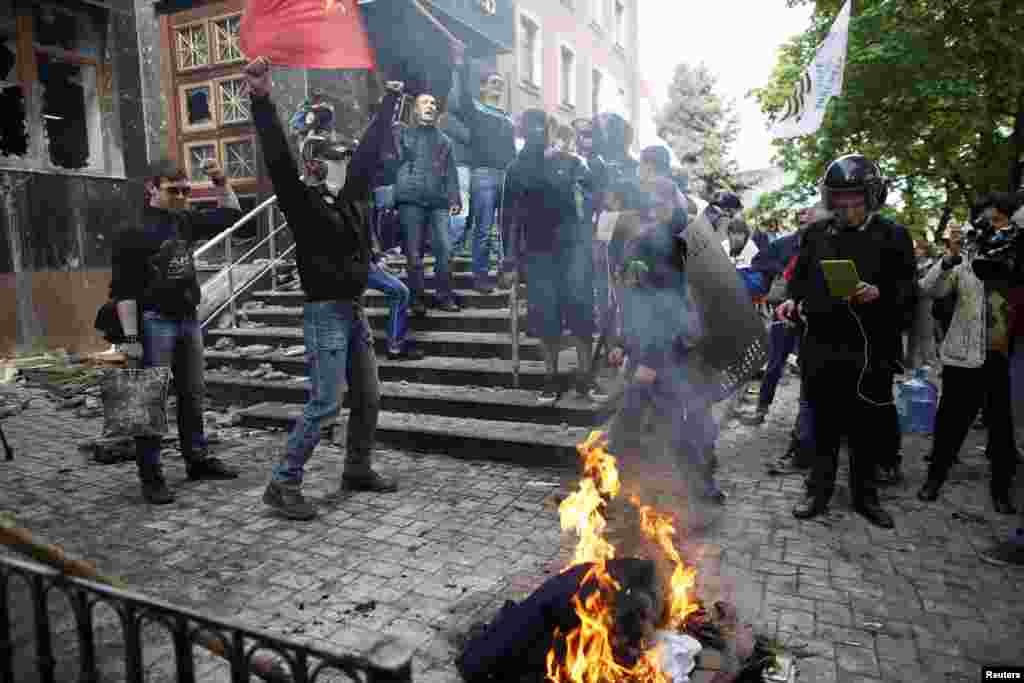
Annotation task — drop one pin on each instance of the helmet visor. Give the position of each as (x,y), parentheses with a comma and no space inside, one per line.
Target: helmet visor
(847,199)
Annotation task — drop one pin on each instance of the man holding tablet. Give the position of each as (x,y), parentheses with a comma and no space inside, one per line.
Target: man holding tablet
(852,283)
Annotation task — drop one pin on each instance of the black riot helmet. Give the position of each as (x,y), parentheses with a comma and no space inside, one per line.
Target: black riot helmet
(852,173)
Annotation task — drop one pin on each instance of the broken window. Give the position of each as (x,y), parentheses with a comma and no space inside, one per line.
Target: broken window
(198,154)
(13,132)
(197,107)
(239,158)
(64,112)
(192,46)
(226,35)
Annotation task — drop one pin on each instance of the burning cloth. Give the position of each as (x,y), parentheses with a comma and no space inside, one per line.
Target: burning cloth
(514,646)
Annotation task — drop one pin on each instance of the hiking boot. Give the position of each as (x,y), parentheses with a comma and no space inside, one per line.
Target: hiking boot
(209,468)
(929,492)
(370,481)
(154,487)
(1009,553)
(811,506)
(872,511)
(888,476)
(286,498)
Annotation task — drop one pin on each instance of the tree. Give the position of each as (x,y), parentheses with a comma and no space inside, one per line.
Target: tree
(934,90)
(701,126)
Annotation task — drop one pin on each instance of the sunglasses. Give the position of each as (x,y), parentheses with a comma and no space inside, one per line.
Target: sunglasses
(179,190)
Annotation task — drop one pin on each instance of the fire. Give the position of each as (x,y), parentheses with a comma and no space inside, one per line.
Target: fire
(331,4)
(589,655)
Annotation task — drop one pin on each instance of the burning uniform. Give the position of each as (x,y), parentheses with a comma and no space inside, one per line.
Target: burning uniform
(517,642)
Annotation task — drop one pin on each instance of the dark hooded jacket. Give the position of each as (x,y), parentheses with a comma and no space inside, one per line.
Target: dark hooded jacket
(427,175)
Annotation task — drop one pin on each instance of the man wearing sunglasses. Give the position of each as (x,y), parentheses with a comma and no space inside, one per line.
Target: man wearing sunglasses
(154,284)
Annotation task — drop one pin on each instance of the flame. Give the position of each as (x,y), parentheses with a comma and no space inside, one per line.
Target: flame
(330,5)
(589,655)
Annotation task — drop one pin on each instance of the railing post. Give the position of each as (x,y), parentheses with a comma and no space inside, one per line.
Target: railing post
(229,256)
(6,644)
(44,644)
(86,639)
(513,302)
(273,251)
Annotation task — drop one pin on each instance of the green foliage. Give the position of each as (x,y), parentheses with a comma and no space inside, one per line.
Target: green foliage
(701,127)
(933,90)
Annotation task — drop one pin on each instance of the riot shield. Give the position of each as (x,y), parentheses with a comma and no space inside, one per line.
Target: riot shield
(734,340)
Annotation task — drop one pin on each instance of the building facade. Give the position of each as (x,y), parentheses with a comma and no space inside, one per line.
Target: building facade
(71,135)
(575,58)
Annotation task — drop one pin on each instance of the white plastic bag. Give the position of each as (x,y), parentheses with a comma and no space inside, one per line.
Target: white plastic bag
(678,655)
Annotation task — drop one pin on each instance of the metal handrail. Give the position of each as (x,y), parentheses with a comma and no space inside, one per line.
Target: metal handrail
(244,220)
(223,273)
(233,295)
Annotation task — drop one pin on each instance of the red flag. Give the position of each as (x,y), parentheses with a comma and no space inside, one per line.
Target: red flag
(310,34)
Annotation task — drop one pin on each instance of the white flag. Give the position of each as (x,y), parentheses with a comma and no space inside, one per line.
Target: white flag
(823,80)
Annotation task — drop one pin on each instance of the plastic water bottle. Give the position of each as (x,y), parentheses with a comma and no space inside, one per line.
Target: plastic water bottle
(917,402)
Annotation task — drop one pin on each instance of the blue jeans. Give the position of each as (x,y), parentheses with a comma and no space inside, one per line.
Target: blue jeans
(457,224)
(385,220)
(398,305)
(782,340)
(339,350)
(416,221)
(484,193)
(178,344)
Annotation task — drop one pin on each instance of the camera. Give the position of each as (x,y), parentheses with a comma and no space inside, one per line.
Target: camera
(994,252)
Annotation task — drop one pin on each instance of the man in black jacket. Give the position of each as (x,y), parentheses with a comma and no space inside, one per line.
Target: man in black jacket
(333,255)
(852,344)
(154,283)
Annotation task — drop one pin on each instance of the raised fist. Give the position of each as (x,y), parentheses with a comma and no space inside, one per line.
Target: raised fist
(257,77)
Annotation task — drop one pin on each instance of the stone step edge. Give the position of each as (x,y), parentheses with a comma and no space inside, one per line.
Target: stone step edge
(438,363)
(421,392)
(518,433)
(377,312)
(502,339)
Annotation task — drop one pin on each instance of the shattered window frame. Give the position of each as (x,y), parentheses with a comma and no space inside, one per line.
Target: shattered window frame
(183,102)
(233,39)
(196,176)
(180,48)
(250,163)
(38,49)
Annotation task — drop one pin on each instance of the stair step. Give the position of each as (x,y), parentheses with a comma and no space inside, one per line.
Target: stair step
(470,298)
(479,372)
(467,320)
(463,437)
(420,399)
(467,344)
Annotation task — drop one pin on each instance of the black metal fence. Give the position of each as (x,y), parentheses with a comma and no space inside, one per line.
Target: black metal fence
(246,654)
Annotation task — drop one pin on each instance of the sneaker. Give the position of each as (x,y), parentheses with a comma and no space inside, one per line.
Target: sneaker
(371,481)
(408,353)
(1008,553)
(286,498)
(757,418)
(418,310)
(590,390)
(550,393)
(449,307)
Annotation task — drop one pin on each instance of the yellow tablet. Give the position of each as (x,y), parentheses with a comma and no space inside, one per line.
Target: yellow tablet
(842,277)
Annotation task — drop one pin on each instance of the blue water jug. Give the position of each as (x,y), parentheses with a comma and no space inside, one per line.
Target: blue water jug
(917,401)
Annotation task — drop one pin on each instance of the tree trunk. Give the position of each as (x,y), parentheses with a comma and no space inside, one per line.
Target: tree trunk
(1017,146)
(947,212)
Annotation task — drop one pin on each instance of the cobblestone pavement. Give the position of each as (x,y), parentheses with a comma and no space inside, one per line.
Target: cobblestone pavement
(859,604)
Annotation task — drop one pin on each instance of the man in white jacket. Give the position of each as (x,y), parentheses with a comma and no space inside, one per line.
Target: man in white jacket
(976,365)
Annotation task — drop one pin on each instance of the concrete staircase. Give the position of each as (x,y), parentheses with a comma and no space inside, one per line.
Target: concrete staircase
(458,400)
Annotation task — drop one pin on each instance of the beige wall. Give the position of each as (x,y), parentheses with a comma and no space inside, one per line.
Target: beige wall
(594,48)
